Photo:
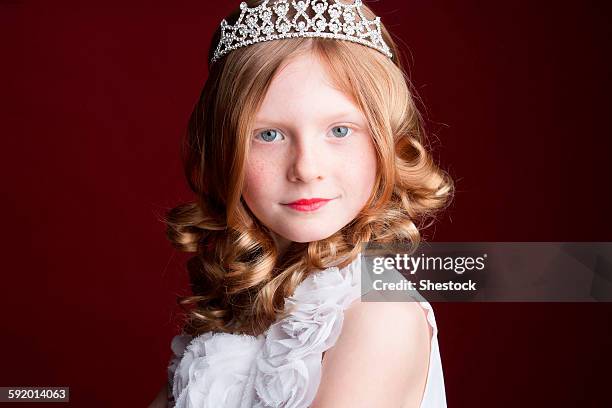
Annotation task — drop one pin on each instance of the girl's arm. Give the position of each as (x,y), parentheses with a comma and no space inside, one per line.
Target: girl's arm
(161,400)
(381,358)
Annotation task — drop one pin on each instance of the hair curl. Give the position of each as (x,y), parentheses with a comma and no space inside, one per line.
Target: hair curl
(238,279)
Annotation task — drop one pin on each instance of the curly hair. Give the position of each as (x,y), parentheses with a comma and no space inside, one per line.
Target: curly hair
(238,279)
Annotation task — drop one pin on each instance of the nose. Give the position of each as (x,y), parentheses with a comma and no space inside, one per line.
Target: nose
(307,160)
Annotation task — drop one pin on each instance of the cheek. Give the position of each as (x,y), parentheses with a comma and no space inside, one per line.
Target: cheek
(259,179)
(363,170)
(253,179)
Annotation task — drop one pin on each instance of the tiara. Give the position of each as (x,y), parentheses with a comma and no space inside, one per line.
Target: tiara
(346,22)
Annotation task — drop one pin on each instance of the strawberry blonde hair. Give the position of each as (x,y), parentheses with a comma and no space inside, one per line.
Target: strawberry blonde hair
(239,281)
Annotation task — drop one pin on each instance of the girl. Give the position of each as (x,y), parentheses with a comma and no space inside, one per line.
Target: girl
(305,144)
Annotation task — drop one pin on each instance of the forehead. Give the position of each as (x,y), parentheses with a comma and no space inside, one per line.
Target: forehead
(303,91)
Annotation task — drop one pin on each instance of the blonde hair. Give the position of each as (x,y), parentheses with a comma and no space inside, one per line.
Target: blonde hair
(238,279)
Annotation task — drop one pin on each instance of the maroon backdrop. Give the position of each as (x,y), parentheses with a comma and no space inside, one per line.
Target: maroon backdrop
(96,95)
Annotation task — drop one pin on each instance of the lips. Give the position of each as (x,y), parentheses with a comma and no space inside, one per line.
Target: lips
(308,201)
(308,204)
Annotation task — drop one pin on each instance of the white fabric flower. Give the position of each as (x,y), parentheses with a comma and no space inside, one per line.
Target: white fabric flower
(285,386)
(215,370)
(311,329)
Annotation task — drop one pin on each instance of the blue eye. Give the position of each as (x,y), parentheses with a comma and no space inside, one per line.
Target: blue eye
(269,135)
(340,131)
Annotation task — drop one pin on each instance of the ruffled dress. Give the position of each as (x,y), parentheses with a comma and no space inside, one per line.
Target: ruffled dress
(282,366)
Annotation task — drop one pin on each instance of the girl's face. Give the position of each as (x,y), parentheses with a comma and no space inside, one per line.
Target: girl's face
(310,142)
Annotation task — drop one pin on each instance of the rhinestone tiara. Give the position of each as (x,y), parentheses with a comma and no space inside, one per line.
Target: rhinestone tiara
(345,22)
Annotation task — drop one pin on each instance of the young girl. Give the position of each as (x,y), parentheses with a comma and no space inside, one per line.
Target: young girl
(305,144)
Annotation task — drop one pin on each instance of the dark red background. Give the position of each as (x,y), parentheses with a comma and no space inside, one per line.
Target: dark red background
(96,95)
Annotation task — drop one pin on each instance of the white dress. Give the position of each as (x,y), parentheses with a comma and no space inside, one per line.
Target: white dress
(282,366)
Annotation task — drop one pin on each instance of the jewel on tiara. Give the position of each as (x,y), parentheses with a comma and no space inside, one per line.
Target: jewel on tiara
(346,22)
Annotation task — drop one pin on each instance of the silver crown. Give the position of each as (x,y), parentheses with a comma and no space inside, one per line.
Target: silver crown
(346,22)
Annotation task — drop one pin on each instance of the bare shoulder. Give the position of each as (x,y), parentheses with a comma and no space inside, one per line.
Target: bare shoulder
(380,359)
(405,314)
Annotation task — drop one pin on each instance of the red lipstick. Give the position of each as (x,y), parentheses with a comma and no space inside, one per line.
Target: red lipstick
(308,204)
